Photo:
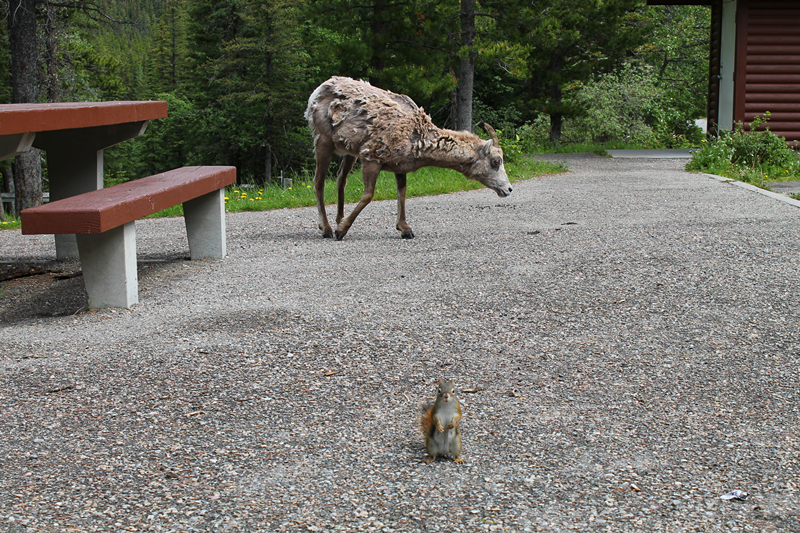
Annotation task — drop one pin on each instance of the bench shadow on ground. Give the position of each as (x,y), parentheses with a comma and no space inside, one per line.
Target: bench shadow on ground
(47,292)
(52,289)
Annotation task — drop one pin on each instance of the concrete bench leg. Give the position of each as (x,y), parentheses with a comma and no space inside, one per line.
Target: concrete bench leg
(108,261)
(205,225)
(66,247)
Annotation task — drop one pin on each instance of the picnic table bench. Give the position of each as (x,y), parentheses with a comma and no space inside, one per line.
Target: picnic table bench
(97,224)
(103,223)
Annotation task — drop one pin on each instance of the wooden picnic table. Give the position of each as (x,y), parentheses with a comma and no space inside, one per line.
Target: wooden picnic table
(74,135)
(96,224)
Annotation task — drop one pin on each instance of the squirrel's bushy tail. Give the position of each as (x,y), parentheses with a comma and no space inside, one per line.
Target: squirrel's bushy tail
(425,419)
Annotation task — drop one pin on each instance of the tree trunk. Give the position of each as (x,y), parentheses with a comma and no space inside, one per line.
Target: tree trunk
(51,28)
(8,187)
(27,181)
(556,99)
(22,46)
(8,180)
(452,118)
(556,121)
(267,163)
(173,63)
(379,29)
(466,67)
(556,114)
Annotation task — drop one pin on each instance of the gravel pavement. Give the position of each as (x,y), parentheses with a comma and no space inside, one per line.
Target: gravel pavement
(624,337)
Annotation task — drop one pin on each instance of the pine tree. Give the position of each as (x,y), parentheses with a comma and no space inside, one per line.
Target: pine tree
(169,54)
(560,43)
(253,80)
(408,47)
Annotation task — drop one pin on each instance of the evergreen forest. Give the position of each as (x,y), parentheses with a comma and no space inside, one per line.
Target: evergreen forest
(237,74)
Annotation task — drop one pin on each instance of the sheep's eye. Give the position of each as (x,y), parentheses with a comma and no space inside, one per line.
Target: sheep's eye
(496,163)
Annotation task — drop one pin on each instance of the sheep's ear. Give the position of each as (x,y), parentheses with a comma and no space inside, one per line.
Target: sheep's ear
(486,150)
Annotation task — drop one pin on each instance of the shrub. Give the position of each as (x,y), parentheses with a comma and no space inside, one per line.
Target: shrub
(623,108)
(672,130)
(619,106)
(535,137)
(755,156)
(503,118)
(512,147)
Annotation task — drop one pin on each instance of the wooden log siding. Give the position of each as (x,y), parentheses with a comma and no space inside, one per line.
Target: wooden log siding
(768,65)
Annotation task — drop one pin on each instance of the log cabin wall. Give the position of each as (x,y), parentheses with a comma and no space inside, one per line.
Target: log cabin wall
(768,65)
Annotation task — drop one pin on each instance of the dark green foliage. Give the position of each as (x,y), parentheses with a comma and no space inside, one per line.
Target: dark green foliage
(168,63)
(92,75)
(249,76)
(409,47)
(555,44)
(677,50)
(237,73)
(169,143)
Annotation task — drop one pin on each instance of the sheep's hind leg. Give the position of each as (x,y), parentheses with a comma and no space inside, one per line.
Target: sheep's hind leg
(369,174)
(402,226)
(324,155)
(341,183)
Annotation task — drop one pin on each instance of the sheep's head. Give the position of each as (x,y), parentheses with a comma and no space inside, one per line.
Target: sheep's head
(488,168)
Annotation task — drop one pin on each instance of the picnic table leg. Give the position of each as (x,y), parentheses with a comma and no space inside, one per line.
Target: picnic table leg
(72,172)
(108,261)
(75,164)
(205,225)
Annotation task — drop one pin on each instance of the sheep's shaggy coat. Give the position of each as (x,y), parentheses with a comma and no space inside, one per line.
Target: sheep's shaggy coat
(382,126)
(388,131)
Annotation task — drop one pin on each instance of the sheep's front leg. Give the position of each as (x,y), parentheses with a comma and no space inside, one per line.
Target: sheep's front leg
(323,155)
(341,183)
(402,226)
(369,174)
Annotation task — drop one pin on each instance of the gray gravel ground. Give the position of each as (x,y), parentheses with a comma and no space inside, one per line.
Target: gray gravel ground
(627,332)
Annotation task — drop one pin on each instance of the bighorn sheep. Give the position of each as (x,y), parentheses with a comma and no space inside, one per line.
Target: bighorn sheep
(390,132)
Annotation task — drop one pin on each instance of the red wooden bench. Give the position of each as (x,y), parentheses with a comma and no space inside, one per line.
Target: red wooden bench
(103,222)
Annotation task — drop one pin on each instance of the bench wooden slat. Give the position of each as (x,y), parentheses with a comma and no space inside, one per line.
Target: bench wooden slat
(24,118)
(104,209)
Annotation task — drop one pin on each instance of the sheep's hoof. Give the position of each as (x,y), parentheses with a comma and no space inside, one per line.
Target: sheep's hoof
(339,235)
(409,235)
(327,233)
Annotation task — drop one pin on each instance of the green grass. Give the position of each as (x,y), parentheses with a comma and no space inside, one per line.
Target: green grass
(424,182)
(9,223)
(592,148)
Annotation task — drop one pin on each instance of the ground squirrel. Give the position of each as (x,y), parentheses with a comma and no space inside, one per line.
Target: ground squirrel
(439,424)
